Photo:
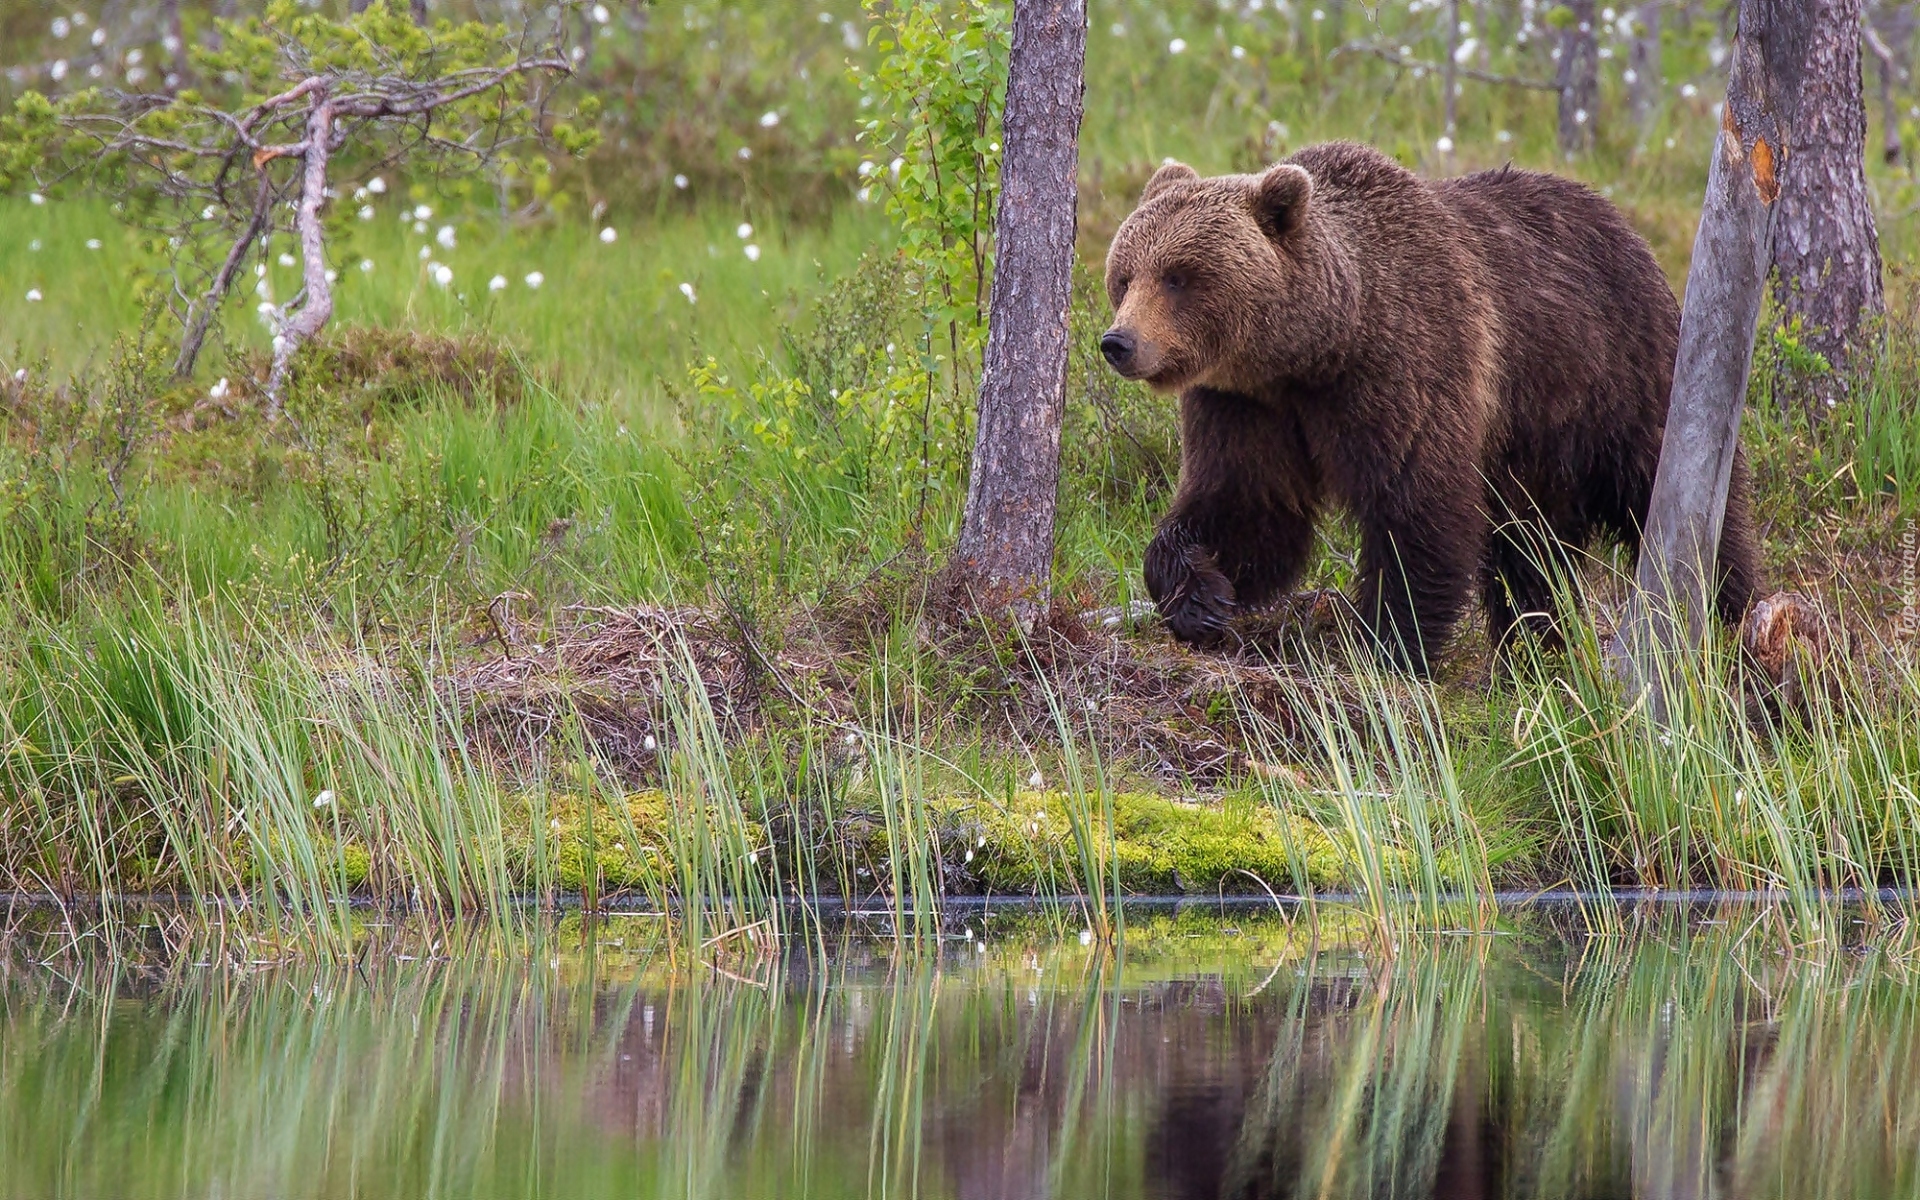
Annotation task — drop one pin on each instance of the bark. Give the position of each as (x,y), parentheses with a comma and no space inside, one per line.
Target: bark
(316,306)
(1643,59)
(1826,251)
(1005,553)
(1578,79)
(1889,108)
(1726,283)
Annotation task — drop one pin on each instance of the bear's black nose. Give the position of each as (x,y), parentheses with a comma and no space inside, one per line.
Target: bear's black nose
(1117,347)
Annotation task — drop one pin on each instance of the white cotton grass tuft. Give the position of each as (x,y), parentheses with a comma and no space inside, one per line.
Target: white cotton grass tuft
(36,199)
(377,185)
(366,212)
(686,289)
(680,181)
(447,237)
(753,252)
(1036,780)
(1444,145)
(769,119)
(1177,46)
(324,799)
(497,284)
(422,213)
(600,14)
(608,235)
(93,243)
(743,231)
(366,265)
(286,260)
(34,296)
(442,274)
(219,390)
(534,279)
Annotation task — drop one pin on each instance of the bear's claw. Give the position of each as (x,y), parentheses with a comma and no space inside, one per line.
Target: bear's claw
(1193,595)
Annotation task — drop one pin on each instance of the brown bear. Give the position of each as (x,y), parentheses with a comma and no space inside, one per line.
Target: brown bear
(1477,369)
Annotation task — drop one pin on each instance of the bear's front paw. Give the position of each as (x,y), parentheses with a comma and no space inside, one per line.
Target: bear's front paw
(1187,585)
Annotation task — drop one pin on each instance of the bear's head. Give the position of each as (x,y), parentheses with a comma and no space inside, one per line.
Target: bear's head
(1210,279)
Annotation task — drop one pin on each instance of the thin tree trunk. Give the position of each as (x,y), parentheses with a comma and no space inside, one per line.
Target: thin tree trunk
(203,310)
(1643,62)
(1889,109)
(1005,554)
(1578,79)
(1826,251)
(316,305)
(1450,79)
(1726,283)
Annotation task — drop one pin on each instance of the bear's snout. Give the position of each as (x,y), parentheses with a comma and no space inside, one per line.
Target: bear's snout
(1117,346)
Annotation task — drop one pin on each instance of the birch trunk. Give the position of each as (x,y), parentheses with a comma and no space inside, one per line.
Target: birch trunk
(1578,79)
(1005,555)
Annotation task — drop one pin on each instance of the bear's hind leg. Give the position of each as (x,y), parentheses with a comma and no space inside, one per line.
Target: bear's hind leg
(1517,590)
(1739,557)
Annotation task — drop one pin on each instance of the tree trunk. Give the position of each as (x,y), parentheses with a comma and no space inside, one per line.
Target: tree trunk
(1005,555)
(1825,248)
(1726,282)
(1578,79)
(1643,66)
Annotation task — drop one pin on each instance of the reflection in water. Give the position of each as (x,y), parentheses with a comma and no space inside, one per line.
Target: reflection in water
(1218,1056)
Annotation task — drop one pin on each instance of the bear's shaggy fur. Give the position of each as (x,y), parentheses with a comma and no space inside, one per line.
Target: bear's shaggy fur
(1477,369)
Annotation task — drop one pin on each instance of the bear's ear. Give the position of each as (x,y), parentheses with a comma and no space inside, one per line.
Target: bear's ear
(1169,174)
(1280,199)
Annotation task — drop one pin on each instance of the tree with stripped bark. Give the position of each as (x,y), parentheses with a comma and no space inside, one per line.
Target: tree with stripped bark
(293,104)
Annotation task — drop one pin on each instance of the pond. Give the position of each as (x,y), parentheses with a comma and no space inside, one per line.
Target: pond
(1218,1052)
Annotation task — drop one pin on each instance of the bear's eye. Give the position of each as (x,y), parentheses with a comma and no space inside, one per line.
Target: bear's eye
(1175,281)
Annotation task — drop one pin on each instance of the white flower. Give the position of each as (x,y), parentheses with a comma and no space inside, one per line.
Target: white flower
(680,181)
(324,799)
(1689,91)
(744,153)
(867,168)
(497,284)
(377,185)
(686,289)
(366,212)
(58,70)
(134,56)
(743,231)
(864,195)
(1444,145)
(286,260)
(535,279)
(422,213)
(1503,136)
(608,235)
(969,857)
(442,274)
(93,243)
(135,75)
(1036,780)
(79,19)
(445,237)
(419,226)
(426,252)
(1239,52)
(601,15)
(1669,143)
(1464,50)
(219,390)
(1579,116)
(366,265)
(99,37)
(33,296)
(753,252)
(769,119)
(1177,46)
(1319,14)
(60,27)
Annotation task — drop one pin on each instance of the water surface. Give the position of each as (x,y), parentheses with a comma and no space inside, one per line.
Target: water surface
(1217,1054)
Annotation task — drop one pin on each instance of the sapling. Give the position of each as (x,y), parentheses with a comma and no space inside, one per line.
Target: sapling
(293,102)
